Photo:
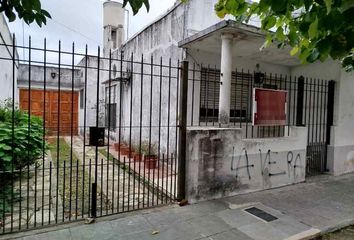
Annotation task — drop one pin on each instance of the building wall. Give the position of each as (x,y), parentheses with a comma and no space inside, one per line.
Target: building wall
(40,75)
(8,76)
(340,158)
(159,41)
(150,101)
(329,70)
(341,149)
(90,75)
(221,163)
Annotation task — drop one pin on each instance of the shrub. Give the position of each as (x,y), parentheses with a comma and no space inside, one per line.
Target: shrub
(20,147)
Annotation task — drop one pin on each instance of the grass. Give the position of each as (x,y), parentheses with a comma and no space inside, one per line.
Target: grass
(79,190)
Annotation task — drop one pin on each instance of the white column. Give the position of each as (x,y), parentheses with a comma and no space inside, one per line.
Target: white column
(225,78)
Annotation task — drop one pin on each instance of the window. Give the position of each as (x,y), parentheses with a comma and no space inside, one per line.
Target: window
(114,38)
(82,95)
(241,94)
(114,71)
(111,107)
(111,116)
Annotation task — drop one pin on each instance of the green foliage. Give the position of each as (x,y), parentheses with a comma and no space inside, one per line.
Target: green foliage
(28,10)
(21,139)
(136,5)
(315,29)
(21,142)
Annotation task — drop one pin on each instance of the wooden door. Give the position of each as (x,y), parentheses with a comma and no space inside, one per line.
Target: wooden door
(68,109)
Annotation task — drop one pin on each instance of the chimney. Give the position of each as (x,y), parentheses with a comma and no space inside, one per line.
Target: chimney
(113,25)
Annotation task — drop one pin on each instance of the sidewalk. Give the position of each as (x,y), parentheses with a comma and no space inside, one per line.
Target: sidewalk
(321,204)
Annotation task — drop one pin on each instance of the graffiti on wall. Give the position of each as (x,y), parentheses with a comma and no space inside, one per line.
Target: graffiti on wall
(269,166)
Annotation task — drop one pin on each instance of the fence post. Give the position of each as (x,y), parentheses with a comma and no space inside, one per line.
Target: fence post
(330,109)
(181,194)
(300,101)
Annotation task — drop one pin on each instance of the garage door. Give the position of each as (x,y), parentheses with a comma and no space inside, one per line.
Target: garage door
(68,117)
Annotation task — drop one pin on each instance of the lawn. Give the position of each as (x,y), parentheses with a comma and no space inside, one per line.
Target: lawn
(78,190)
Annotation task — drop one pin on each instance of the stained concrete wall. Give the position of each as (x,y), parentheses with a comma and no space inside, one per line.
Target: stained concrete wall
(220,163)
(7,75)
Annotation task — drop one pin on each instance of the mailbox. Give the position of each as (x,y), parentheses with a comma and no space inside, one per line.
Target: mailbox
(97,136)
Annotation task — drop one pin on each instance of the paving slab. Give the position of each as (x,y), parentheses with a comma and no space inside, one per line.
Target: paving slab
(319,205)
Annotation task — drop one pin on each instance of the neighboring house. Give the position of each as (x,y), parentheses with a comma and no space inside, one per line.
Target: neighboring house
(192,32)
(8,74)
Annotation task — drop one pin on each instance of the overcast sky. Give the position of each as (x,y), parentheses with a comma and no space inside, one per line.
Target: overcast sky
(79,21)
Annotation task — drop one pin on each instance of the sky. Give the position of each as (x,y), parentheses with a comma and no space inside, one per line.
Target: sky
(78,21)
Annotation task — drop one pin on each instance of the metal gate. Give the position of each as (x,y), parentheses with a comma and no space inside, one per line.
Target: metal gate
(109,147)
(315,106)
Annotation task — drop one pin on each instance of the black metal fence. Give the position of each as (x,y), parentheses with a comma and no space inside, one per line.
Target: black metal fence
(308,104)
(86,135)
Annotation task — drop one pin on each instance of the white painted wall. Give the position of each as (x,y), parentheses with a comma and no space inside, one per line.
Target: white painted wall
(7,75)
(329,70)
(341,150)
(91,93)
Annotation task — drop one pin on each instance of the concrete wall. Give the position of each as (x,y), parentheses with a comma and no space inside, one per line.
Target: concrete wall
(91,78)
(329,70)
(7,75)
(38,78)
(341,149)
(155,45)
(220,163)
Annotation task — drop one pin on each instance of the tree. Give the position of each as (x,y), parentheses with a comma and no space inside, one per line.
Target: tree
(31,10)
(315,29)
(136,5)
(28,10)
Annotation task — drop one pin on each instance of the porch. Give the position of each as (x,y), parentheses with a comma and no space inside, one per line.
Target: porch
(226,65)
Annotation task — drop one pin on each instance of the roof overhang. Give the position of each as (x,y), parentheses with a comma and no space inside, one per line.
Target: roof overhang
(248,41)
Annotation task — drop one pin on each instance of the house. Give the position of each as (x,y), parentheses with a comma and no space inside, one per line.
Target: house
(228,52)
(132,88)
(8,74)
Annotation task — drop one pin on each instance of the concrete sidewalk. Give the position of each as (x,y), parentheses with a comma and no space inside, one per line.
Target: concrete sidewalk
(321,204)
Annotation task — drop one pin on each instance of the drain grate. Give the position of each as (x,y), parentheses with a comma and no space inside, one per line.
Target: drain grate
(261,214)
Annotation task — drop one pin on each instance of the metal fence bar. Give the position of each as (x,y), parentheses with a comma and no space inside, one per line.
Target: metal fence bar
(183,133)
